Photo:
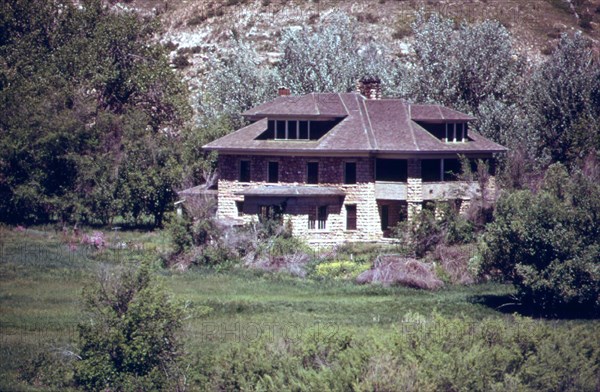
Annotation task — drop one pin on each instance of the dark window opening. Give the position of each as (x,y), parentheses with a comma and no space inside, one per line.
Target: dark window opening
(350,173)
(385,217)
(431,170)
(240,207)
(429,205)
(391,170)
(270,213)
(452,169)
(319,128)
(456,204)
(303,131)
(318,220)
(490,162)
(322,217)
(270,132)
(450,132)
(459,133)
(437,130)
(273,172)
(280,129)
(312,173)
(292,132)
(351,217)
(244,171)
(297,129)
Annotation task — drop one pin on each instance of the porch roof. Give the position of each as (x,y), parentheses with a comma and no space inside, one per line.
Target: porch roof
(291,191)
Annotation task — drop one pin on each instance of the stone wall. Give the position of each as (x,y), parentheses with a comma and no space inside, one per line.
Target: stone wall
(292,171)
(414,193)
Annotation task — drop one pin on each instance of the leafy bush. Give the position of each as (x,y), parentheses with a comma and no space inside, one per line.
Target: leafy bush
(214,255)
(180,234)
(421,234)
(424,353)
(95,83)
(343,269)
(548,244)
(131,341)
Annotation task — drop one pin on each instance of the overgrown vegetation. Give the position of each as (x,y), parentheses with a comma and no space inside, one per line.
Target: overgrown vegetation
(547,243)
(252,330)
(90,115)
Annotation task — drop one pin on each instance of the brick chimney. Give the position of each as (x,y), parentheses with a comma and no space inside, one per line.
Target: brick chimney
(369,87)
(283,91)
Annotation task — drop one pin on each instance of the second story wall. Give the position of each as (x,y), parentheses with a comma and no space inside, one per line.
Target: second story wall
(295,169)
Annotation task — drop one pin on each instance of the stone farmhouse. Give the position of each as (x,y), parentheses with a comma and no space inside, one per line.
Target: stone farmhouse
(346,166)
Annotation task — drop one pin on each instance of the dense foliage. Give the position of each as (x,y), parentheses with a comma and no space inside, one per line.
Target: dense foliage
(331,58)
(564,102)
(89,110)
(130,341)
(423,354)
(548,243)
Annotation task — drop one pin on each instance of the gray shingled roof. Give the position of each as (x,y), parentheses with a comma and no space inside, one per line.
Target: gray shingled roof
(367,126)
(437,112)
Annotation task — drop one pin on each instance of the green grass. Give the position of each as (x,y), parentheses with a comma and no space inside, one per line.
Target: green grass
(41,284)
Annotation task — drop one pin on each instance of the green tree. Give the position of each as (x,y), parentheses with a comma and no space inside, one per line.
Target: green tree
(548,243)
(331,58)
(130,341)
(476,69)
(564,102)
(72,79)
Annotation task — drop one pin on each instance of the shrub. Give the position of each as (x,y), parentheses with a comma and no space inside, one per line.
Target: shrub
(344,269)
(421,234)
(213,255)
(179,233)
(548,244)
(423,354)
(130,342)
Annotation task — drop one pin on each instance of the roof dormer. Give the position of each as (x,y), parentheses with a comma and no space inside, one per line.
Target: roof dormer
(297,129)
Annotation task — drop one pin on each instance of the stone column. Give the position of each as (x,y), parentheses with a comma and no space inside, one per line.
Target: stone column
(414,191)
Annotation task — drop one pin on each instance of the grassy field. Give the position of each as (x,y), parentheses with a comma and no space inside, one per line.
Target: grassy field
(41,280)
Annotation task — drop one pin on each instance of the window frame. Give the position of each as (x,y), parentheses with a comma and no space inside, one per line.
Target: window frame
(239,205)
(317,220)
(354,179)
(351,219)
(245,175)
(308,176)
(269,179)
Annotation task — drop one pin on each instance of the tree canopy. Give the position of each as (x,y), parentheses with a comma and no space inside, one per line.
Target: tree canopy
(80,88)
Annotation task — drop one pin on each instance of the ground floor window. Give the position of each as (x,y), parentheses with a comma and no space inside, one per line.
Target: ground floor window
(318,219)
(350,216)
(270,213)
(391,212)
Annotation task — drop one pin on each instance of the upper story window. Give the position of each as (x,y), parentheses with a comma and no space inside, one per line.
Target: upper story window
(456,132)
(447,132)
(273,172)
(349,172)
(312,173)
(244,171)
(433,170)
(297,129)
(395,170)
